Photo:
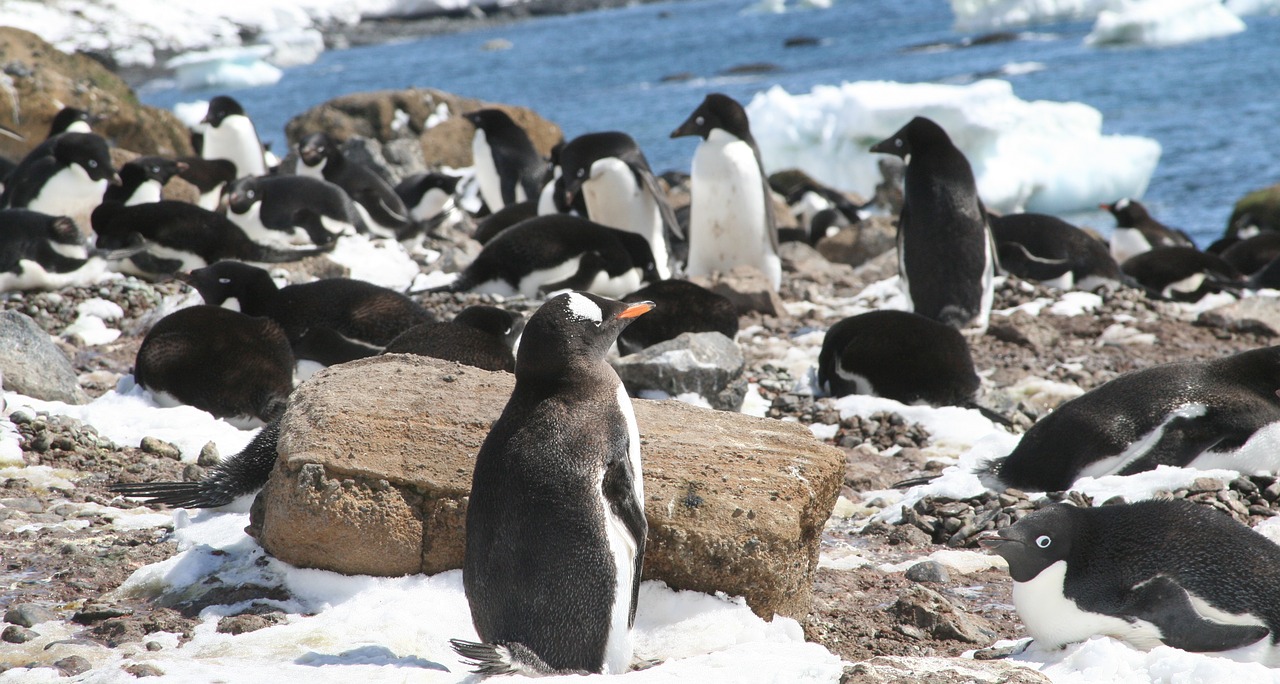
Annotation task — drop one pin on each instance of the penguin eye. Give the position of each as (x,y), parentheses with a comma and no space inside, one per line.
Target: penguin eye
(897,142)
(155,169)
(1043,541)
(582,172)
(93,163)
(250,194)
(224,281)
(700,121)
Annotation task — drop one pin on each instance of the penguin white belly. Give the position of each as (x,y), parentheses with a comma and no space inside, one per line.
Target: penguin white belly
(486,172)
(189,260)
(1128,242)
(69,192)
(1260,454)
(617,286)
(317,171)
(251,223)
(434,202)
(727,225)
(236,140)
(860,383)
(336,227)
(547,198)
(33,276)
(534,280)
(1140,447)
(615,199)
(1055,620)
(623,548)
(210,200)
(1185,286)
(146,192)
(979,324)
(1064,282)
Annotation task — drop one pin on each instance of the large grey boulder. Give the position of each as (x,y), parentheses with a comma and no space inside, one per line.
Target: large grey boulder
(707,364)
(32,364)
(376,459)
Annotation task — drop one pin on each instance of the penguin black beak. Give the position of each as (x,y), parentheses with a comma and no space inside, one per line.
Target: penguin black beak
(1105,207)
(185,277)
(182,166)
(115,179)
(995,541)
(685,129)
(635,310)
(886,147)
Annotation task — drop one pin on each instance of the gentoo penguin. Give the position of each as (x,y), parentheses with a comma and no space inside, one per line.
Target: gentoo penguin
(480,336)
(1136,232)
(508,168)
(292,210)
(229,134)
(1198,414)
(946,257)
(64,178)
(209,176)
(558,489)
(559,252)
(619,189)
(234,366)
(38,251)
(731,219)
(679,307)
(362,314)
(430,199)
(1155,572)
(1182,274)
(240,475)
(319,156)
(1049,250)
(142,179)
(898,355)
(177,236)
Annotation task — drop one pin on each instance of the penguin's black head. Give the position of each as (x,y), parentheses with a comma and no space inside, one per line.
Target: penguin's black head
(1129,213)
(70,120)
(226,280)
(243,194)
(717,111)
(920,132)
(572,332)
(64,231)
(579,154)
(89,151)
(316,147)
(1036,541)
(157,169)
(490,119)
(220,108)
(500,323)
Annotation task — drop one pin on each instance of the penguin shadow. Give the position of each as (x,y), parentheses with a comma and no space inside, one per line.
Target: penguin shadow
(368,655)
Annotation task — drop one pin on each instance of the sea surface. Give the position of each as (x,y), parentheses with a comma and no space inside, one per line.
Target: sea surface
(1214,106)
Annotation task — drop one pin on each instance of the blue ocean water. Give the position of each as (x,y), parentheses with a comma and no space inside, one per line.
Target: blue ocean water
(1212,105)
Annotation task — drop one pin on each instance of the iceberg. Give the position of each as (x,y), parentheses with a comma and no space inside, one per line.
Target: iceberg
(1246,8)
(230,67)
(988,15)
(1160,23)
(1042,156)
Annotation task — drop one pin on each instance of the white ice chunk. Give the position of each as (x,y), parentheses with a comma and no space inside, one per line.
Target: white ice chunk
(1162,23)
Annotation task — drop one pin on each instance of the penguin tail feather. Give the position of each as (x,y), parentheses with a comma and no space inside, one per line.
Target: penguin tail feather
(503,659)
(175,494)
(990,414)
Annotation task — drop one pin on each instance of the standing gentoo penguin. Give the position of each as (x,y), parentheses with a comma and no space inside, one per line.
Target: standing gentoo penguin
(142,179)
(38,251)
(1047,249)
(1136,232)
(946,257)
(1155,572)
(620,191)
(65,178)
(319,156)
(731,219)
(508,168)
(555,524)
(292,210)
(1199,414)
(234,366)
(229,134)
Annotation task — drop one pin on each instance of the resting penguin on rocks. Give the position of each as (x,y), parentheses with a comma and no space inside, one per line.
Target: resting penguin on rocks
(612,175)
(292,210)
(142,179)
(320,157)
(555,530)
(1137,232)
(559,252)
(946,257)
(479,336)
(1055,253)
(234,366)
(431,200)
(42,252)
(1168,572)
(508,167)
(1183,274)
(1198,414)
(731,219)
(358,314)
(209,176)
(65,176)
(679,307)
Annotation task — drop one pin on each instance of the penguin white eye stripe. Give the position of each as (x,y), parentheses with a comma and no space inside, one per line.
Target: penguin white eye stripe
(584,308)
(1043,541)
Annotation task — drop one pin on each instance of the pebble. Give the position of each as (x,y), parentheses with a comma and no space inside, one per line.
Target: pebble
(144,670)
(17,635)
(96,612)
(28,615)
(208,455)
(159,447)
(928,571)
(73,665)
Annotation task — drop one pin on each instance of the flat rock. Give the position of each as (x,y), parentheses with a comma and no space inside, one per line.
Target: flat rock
(376,459)
(707,364)
(911,670)
(32,364)
(1259,315)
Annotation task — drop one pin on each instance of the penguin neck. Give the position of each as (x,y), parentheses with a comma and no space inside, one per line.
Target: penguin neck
(257,296)
(570,380)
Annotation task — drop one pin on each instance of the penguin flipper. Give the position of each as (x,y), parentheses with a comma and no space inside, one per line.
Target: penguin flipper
(1182,440)
(1165,604)
(1018,260)
(620,491)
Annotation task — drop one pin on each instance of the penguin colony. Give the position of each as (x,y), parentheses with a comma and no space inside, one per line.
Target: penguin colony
(597,222)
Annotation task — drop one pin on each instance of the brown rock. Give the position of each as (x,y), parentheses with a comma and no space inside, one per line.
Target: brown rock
(376,459)
(1257,315)
(373,115)
(1260,208)
(938,617)
(860,242)
(1024,330)
(45,80)
(747,288)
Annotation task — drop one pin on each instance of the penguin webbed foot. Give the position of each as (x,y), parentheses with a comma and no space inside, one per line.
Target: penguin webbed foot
(503,659)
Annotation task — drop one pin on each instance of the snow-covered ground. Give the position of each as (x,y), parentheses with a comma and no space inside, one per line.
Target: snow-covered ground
(1188,20)
(1042,156)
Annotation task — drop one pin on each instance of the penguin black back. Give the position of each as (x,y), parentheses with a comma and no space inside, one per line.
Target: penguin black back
(1046,248)
(88,151)
(515,160)
(1182,273)
(361,184)
(141,180)
(679,307)
(479,336)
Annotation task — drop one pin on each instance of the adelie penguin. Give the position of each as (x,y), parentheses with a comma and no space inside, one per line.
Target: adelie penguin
(946,257)
(65,178)
(209,176)
(479,336)
(1049,250)
(1182,274)
(42,252)
(508,167)
(679,307)
(431,199)
(291,210)
(559,252)
(234,366)
(555,530)
(614,178)
(1199,414)
(1161,572)
(229,134)
(1137,232)
(731,219)
(384,213)
(142,180)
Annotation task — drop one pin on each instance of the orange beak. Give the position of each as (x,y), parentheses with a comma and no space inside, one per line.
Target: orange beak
(635,310)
